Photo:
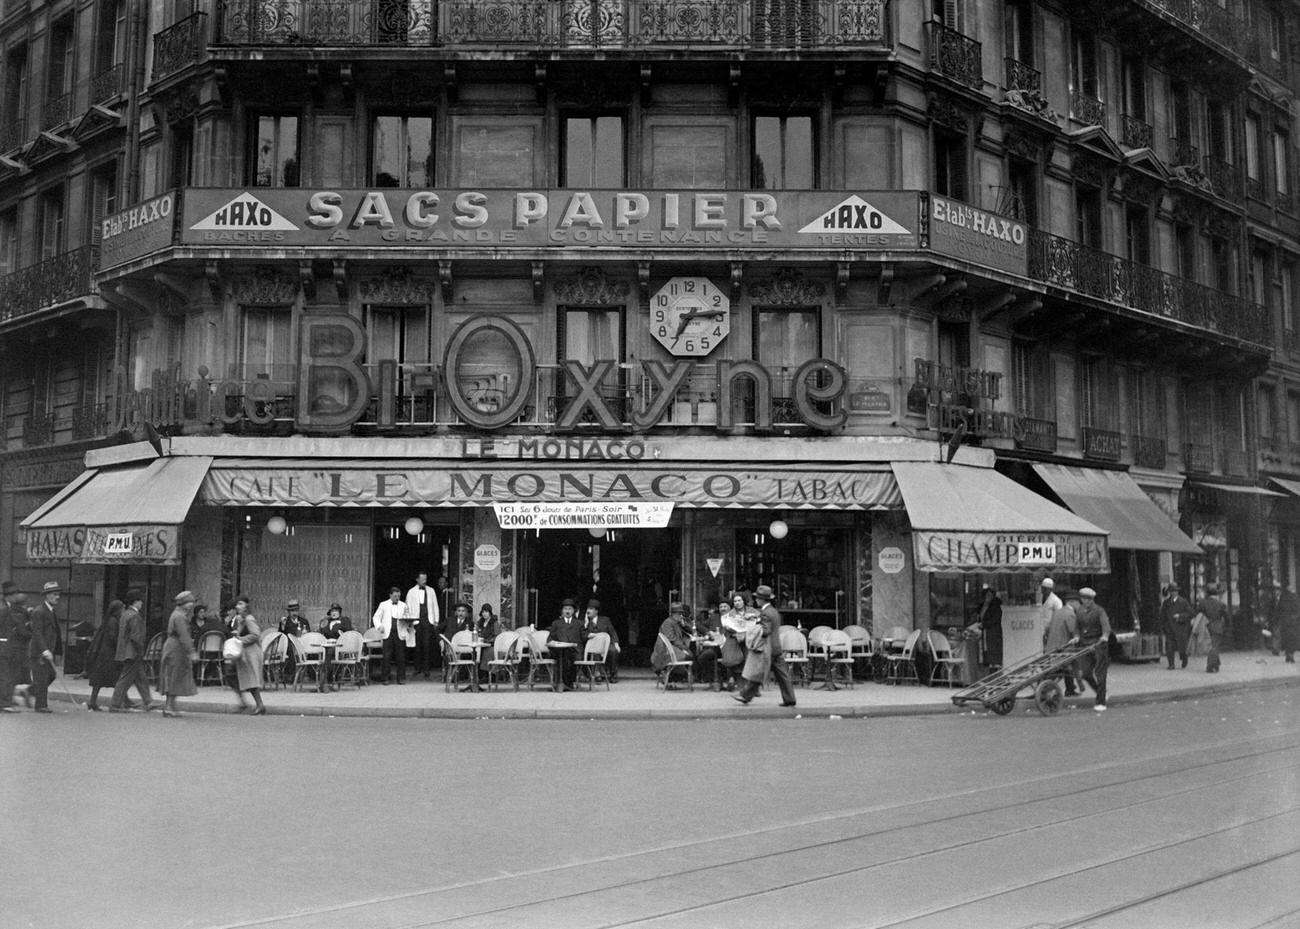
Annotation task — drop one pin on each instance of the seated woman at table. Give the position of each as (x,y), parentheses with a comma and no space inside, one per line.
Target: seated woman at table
(335,623)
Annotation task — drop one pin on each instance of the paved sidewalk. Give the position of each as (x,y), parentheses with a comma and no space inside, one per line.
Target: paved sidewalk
(636,697)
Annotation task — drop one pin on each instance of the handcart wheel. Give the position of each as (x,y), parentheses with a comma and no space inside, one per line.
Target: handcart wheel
(1004,706)
(1048,697)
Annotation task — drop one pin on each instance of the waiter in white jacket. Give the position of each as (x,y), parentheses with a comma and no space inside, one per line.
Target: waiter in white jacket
(394,624)
(422,607)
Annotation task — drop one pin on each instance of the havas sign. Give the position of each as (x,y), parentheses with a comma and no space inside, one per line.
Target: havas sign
(334,388)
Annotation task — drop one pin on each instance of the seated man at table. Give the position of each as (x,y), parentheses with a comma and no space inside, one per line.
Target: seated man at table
(595,622)
(706,637)
(335,623)
(568,632)
(293,622)
(675,631)
(462,618)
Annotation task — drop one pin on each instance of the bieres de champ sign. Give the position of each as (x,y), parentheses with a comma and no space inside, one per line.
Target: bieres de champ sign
(556,218)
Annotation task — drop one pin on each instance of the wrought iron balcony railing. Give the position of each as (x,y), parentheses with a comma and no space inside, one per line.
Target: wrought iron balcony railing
(1225,177)
(1101,444)
(1236,462)
(180,45)
(13,133)
(1198,458)
(1291,340)
(56,111)
(1067,264)
(89,420)
(51,282)
(1148,451)
(1087,109)
(607,24)
(956,56)
(1212,21)
(1134,133)
(38,429)
(1022,77)
(107,84)
(1183,153)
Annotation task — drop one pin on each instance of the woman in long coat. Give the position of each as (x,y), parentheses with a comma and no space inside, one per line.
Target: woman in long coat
(101,656)
(248,666)
(176,670)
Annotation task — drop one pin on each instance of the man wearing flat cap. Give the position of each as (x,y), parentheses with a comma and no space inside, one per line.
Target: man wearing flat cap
(567,630)
(1176,624)
(44,643)
(1093,628)
(14,633)
(595,621)
(770,619)
(1216,622)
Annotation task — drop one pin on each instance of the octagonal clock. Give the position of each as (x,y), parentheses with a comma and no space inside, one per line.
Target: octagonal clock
(690,316)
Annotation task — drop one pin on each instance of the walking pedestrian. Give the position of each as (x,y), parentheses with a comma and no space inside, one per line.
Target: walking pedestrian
(990,619)
(42,645)
(1216,615)
(248,665)
(176,669)
(131,645)
(1094,630)
(769,619)
(14,633)
(1061,630)
(422,607)
(392,619)
(1176,624)
(101,656)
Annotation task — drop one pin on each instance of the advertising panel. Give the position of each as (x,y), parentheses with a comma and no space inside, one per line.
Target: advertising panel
(977,236)
(142,229)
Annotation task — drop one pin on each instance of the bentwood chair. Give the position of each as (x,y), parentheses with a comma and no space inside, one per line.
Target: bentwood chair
(839,657)
(539,658)
(944,662)
(665,676)
(309,655)
(901,665)
(505,659)
(373,650)
(794,648)
(349,659)
(457,658)
(593,660)
(860,648)
(274,652)
(208,657)
(817,653)
(153,657)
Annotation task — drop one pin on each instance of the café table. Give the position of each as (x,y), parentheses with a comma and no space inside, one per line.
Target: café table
(324,682)
(701,642)
(477,645)
(560,663)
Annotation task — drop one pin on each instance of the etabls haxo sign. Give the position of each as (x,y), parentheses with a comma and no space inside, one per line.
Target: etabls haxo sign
(727,219)
(144,228)
(334,389)
(977,236)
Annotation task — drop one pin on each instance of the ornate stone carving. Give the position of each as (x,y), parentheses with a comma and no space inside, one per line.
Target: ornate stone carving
(1091,171)
(1023,146)
(787,287)
(955,310)
(590,287)
(946,112)
(265,286)
(395,285)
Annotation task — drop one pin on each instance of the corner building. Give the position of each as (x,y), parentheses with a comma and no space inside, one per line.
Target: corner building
(874,302)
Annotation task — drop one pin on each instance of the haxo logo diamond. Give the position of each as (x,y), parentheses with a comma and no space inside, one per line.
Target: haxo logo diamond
(245,212)
(855,215)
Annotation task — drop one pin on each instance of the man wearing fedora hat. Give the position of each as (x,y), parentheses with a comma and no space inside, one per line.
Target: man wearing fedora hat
(43,644)
(770,619)
(1176,624)
(1216,616)
(568,632)
(14,633)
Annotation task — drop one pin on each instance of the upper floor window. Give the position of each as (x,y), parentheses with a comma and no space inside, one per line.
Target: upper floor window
(401,150)
(8,241)
(784,154)
(399,334)
(52,222)
(264,349)
(110,36)
(182,152)
(1018,31)
(591,334)
(1259,283)
(1137,234)
(950,165)
(13,112)
(1087,216)
(1218,131)
(951,13)
(1293,418)
(1267,409)
(786,337)
(594,151)
(103,196)
(1286,293)
(1146,403)
(1180,112)
(1282,161)
(1033,383)
(1276,35)
(274,157)
(1133,72)
(1223,264)
(1185,251)
(1083,65)
(1253,136)
(1097,393)
(1023,192)
(496,155)
(63,47)
(692,157)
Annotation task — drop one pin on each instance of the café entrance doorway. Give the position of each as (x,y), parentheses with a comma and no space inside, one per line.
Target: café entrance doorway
(399,556)
(634,573)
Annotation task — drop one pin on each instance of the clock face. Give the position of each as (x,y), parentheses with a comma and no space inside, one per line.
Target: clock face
(690,316)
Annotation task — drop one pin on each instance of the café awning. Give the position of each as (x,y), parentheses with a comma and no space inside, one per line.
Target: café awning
(126,515)
(1114,501)
(972,519)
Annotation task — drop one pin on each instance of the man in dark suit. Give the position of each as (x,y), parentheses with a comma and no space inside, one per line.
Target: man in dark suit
(595,622)
(131,644)
(14,633)
(293,622)
(566,629)
(40,649)
(770,619)
(1176,624)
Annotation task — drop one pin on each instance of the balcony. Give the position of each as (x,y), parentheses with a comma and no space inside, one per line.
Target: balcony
(107,84)
(180,46)
(1198,459)
(1225,178)
(1148,451)
(1254,188)
(1101,444)
(1211,22)
(1134,133)
(956,56)
(56,111)
(1236,463)
(577,24)
(1087,109)
(1183,154)
(89,420)
(38,430)
(1088,271)
(51,282)
(13,133)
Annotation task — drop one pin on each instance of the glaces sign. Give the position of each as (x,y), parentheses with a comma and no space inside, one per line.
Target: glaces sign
(334,388)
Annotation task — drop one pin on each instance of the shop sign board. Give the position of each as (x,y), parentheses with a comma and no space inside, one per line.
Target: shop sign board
(143,544)
(252,484)
(892,559)
(487,557)
(583,515)
(971,234)
(144,228)
(553,218)
(941,550)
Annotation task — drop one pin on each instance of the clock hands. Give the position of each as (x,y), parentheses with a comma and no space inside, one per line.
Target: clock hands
(685,319)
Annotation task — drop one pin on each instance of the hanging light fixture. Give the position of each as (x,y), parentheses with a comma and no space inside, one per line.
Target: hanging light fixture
(597,532)
(414,526)
(276,525)
(778,529)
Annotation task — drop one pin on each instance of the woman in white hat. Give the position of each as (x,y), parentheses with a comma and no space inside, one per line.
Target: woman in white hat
(176,670)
